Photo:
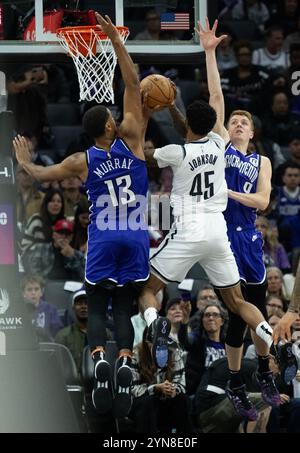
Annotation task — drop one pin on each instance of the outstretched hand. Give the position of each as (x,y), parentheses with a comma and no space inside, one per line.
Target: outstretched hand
(22,150)
(282,330)
(208,37)
(107,26)
(147,111)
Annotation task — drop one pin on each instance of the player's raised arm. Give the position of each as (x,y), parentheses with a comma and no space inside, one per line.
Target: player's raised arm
(74,165)
(209,42)
(131,127)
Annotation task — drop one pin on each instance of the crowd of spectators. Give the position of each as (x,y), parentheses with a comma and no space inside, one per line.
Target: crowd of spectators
(53,219)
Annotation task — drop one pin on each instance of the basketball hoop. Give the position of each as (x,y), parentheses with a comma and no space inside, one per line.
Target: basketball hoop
(95,71)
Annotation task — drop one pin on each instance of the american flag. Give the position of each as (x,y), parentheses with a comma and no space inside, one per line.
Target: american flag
(175,21)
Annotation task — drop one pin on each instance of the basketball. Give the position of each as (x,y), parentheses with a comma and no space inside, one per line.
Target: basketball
(159,89)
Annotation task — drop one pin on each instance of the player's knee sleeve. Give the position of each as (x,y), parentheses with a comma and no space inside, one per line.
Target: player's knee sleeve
(256,295)
(236,331)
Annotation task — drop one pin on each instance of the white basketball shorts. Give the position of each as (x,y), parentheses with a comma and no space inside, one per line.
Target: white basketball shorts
(188,242)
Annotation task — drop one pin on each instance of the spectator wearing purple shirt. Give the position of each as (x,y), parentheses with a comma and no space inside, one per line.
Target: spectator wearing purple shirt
(45,317)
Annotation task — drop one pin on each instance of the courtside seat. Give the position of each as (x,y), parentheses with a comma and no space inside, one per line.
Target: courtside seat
(70,375)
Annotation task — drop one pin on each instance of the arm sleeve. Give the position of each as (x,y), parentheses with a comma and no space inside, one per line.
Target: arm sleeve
(172,155)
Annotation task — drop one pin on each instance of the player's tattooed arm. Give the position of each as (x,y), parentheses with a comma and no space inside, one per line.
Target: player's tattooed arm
(178,119)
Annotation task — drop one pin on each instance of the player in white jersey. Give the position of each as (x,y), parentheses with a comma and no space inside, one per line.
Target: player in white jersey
(199,232)
(235,334)
(241,211)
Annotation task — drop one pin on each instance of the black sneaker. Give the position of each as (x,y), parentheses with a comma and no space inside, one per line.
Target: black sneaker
(123,380)
(102,391)
(243,406)
(158,335)
(268,388)
(287,362)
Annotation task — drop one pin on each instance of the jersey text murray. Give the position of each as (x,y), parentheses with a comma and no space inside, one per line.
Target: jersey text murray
(112,164)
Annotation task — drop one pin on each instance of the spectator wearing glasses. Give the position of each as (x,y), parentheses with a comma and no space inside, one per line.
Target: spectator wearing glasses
(205,343)
(274,302)
(205,295)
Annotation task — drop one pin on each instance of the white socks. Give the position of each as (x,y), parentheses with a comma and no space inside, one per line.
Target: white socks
(150,315)
(265,332)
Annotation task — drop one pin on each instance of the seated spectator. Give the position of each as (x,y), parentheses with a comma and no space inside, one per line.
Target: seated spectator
(205,343)
(45,317)
(272,56)
(275,284)
(56,260)
(160,403)
(280,122)
(292,38)
(72,196)
(253,10)
(274,252)
(205,295)
(27,103)
(29,199)
(243,85)
(174,314)
(74,336)
(286,15)
(152,30)
(288,207)
(214,410)
(53,83)
(39,227)
(276,303)
(81,222)
(293,157)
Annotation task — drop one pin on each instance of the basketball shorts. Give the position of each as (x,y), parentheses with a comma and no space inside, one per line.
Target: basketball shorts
(189,242)
(122,258)
(247,247)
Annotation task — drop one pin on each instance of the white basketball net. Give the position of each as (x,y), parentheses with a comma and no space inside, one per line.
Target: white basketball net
(95,71)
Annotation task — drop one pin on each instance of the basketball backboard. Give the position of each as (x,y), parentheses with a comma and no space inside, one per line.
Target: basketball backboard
(175,39)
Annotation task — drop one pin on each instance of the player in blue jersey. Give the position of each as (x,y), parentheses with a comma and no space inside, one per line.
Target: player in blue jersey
(248,178)
(115,176)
